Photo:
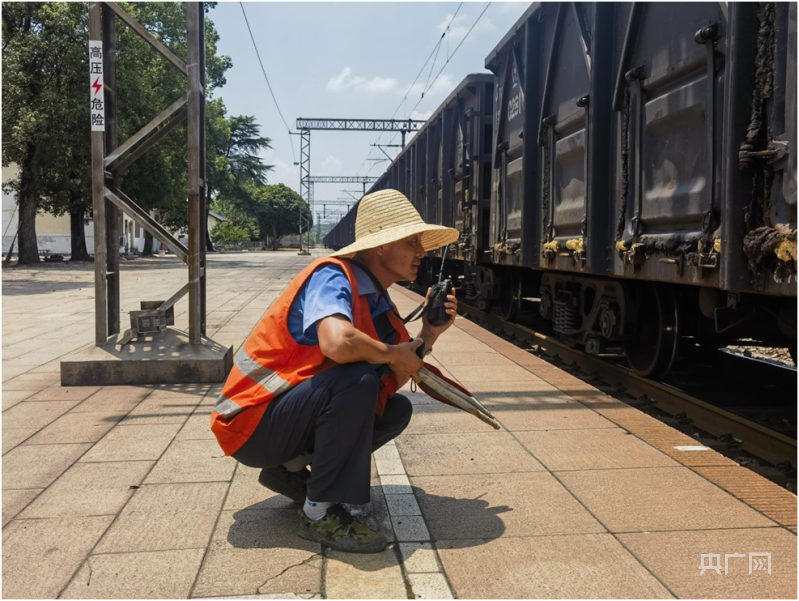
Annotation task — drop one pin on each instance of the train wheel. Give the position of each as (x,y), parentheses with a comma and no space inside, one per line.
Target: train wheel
(511,297)
(652,350)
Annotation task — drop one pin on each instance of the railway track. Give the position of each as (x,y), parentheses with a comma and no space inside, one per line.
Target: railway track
(710,420)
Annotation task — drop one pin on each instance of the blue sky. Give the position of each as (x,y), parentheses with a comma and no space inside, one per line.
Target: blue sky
(347,60)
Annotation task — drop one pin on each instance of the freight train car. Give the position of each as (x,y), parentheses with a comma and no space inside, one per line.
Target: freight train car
(642,176)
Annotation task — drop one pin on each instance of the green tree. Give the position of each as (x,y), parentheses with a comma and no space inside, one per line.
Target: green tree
(236,167)
(45,113)
(234,231)
(277,209)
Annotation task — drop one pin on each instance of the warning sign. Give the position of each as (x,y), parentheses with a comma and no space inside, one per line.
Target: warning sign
(96,92)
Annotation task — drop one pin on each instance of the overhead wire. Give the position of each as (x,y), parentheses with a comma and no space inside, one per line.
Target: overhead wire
(480,16)
(421,70)
(271,92)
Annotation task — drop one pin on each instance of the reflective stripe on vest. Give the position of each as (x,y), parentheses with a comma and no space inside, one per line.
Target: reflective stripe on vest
(263,376)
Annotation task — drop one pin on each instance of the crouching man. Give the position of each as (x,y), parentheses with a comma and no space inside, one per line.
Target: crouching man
(305,389)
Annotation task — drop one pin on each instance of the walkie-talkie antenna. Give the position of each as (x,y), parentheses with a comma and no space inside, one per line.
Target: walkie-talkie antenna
(443,258)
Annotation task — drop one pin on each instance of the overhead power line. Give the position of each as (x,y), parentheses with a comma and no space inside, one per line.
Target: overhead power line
(421,70)
(480,16)
(269,85)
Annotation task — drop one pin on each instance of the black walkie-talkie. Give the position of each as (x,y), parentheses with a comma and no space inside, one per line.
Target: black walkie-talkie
(436,312)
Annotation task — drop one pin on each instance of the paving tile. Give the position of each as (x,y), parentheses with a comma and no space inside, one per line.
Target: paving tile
(587,566)
(192,461)
(49,549)
(88,489)
(198,426)
(674,557)
(505,372)
(65,393)
(256,552)
(410,528)
(36,466)
(472,359)
(15,500)
(373,576)
(162,410)
(542,410)
(419,557)
(29,414)
(14,397)
(153,575)
(247,493)
(114,398)
(664,498)
(524,388)
(396,484)
(464,454)
(402,505)
(77,427)
(133,443)
(165,517)
(592,449)
(429,586)
(490,506)
(13,437)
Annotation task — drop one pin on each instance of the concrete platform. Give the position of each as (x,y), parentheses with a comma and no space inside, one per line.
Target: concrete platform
(167,358)
(122,492)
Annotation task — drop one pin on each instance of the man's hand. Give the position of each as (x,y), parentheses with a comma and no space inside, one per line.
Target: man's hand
(405,363)
(450,308)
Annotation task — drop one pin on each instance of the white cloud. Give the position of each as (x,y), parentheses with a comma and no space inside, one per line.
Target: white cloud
(423,116)
(346,81)
(283,172)
(331,166)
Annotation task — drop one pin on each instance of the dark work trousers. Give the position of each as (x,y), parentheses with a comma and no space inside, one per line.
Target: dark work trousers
(332,416)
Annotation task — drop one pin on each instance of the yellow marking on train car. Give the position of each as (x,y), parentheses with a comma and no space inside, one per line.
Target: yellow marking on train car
(575,244)
(786,250)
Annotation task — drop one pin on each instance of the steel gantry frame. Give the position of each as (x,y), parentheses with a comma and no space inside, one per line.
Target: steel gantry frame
(306,125)
(108,164)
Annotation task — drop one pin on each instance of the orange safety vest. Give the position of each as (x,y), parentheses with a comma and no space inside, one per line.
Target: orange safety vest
(272,362)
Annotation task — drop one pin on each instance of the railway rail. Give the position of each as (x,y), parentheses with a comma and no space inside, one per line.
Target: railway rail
(730,432)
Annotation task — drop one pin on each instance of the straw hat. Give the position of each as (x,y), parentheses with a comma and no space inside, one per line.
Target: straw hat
(387,216)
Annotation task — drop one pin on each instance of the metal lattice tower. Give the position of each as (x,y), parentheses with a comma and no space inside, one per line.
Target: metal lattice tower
(305,125)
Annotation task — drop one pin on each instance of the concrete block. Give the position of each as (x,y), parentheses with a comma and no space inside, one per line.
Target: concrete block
(15,501)
(88,489)
(166,358)
(447,454)
(490,506)
(664,498)
(166,517)
(592,449)
(36,466)
(133,443)
(373,576)
(40,556)
(153,575)
(192,461)
(587,566)
(675,557)
(258,552)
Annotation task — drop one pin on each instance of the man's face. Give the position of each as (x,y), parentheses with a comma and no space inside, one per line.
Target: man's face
(402,258)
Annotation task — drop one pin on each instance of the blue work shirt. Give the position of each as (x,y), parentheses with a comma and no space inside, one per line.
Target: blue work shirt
(328,292)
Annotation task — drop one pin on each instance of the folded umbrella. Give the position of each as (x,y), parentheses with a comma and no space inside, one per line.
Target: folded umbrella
(433,382)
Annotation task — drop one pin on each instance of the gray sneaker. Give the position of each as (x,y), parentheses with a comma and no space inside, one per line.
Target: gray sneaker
(339,530)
